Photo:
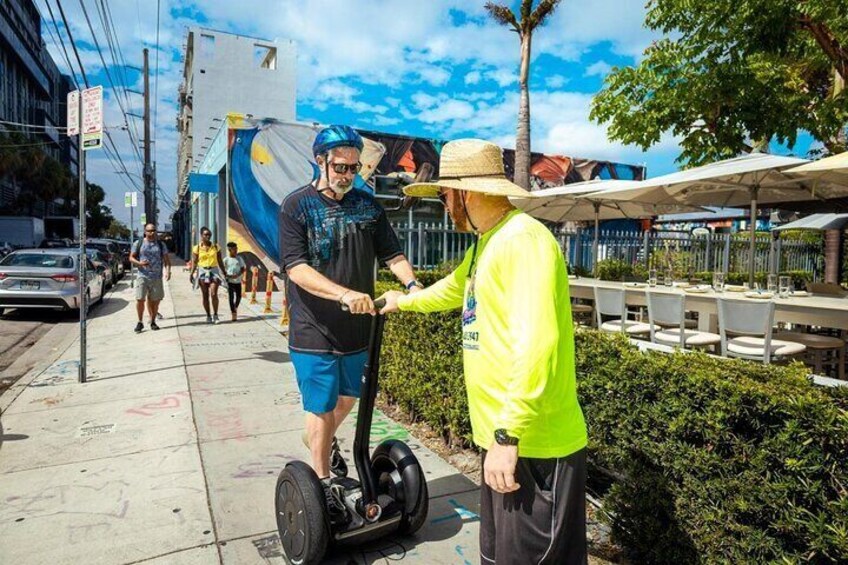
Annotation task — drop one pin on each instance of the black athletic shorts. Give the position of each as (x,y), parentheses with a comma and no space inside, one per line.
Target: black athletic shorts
(544,521)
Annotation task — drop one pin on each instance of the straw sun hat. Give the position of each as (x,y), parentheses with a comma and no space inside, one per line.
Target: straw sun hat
(469,164)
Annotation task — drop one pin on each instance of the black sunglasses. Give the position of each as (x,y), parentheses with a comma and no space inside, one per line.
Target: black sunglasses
(149,231)
(207,233)
(342,168)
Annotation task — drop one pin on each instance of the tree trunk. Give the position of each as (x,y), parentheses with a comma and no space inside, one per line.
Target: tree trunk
(522,135)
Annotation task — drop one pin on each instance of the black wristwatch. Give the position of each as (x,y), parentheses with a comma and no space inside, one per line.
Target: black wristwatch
(504,438)
(413,282)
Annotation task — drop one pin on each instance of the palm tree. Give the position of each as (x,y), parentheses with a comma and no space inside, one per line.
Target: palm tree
(530,20)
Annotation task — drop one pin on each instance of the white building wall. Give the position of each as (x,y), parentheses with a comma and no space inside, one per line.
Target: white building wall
(231,73)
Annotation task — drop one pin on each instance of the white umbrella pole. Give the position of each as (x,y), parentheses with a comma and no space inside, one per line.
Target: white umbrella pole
(753,244)
(597,206)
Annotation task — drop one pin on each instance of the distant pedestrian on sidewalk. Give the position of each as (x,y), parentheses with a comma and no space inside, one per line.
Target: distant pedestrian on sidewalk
(518,359)
(150,256)
(208,266)
(234,267)
(331,236)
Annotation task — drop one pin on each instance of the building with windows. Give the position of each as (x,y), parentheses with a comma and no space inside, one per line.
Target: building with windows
(225,73)
(32,91)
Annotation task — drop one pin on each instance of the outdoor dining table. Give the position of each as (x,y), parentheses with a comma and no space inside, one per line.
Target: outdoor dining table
(813,310)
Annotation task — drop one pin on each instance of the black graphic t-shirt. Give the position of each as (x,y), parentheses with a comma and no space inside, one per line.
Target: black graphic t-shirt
(341,240)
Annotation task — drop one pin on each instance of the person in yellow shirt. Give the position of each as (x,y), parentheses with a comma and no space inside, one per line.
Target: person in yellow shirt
(208,266)
(518,358)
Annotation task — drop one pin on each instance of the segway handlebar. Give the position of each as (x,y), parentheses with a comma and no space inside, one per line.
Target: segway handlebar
(378,305)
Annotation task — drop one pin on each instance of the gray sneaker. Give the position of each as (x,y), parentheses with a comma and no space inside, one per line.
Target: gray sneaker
(208,319)
(334,498)
(215,319)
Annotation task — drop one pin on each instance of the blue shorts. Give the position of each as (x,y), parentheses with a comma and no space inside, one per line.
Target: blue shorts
(323,377)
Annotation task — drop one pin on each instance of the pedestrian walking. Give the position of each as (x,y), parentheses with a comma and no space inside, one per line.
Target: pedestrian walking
(150,256)
(331,236)
(234,268)
(208,267)
(518,358)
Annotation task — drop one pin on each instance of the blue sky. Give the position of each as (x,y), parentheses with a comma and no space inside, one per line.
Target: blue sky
(436,69)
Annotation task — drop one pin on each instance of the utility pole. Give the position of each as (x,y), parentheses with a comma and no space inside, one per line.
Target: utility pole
(83,257)
(149,198)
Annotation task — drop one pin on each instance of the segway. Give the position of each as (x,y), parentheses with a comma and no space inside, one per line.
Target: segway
(391,495)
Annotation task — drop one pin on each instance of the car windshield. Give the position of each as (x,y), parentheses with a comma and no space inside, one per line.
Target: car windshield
(100,246)
(93,254)
(38,260)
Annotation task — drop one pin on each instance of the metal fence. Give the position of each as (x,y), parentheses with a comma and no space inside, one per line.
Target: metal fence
(429,244)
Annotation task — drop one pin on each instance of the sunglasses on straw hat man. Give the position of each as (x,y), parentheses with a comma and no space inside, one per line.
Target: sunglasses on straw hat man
(472,165)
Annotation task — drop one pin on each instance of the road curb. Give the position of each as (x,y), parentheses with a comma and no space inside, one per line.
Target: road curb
(64,335)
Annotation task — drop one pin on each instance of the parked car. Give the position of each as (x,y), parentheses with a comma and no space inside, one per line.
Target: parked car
(55,243)
(124,246)
(5,248)
(99,261)
(47,278)
(111,252)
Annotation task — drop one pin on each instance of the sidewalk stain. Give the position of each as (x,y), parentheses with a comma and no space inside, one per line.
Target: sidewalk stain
(165,403)
(461,512)
(271,465)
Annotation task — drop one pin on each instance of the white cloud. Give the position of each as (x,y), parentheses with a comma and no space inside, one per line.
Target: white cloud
(599,69)
(555,81)
(472,78)
(503,77)
(437,76)
(335,92)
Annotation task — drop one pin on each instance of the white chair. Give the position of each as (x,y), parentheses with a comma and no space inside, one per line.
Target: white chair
(611,302)
(750,325)
(667,312)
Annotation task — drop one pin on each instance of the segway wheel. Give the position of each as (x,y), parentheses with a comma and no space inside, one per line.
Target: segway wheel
(301,514)
(401,477)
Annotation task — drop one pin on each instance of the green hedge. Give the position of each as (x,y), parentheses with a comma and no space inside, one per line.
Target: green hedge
(717,461)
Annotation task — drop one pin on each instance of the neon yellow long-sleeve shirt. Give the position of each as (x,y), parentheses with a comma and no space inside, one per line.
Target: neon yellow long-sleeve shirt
(517,338)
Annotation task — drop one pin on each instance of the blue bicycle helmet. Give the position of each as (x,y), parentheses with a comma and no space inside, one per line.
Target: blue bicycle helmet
(336,136)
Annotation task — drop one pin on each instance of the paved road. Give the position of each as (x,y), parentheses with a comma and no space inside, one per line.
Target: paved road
(20,329)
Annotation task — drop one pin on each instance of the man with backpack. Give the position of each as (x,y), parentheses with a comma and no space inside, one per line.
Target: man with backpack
(149,255)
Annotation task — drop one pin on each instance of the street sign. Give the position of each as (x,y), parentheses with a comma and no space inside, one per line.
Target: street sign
(143,219)
(130,199)
(73,113)
(92,118)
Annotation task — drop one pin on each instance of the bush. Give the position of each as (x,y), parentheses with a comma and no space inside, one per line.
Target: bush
(799,278)
(613,270)
(719,461)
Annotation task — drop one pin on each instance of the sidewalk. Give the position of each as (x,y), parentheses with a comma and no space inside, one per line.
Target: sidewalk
(170,453)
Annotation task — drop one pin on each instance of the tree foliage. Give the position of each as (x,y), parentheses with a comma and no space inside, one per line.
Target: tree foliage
(44,180)
(731,71)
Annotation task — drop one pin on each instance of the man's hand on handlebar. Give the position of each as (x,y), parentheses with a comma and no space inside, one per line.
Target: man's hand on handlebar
(391,299)
(357,302)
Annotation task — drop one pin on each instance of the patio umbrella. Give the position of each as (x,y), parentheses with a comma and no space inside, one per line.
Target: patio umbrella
(830,169)
(561,204)
(817,222)
(748,180)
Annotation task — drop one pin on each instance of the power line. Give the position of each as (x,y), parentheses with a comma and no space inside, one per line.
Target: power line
(30,126)
(108,75)
(36,144)
(156,83)
(61,43)
(110,29)
(73,43)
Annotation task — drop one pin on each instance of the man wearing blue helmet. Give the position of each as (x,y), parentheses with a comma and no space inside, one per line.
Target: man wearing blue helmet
(331,236)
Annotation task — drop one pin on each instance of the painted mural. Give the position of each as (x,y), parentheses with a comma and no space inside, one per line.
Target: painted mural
(268,159)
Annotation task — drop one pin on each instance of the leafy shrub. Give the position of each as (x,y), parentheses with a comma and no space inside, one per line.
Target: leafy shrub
(613,269)
(719,461)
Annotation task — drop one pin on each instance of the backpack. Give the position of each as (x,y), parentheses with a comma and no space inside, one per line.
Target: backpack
(137,249)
